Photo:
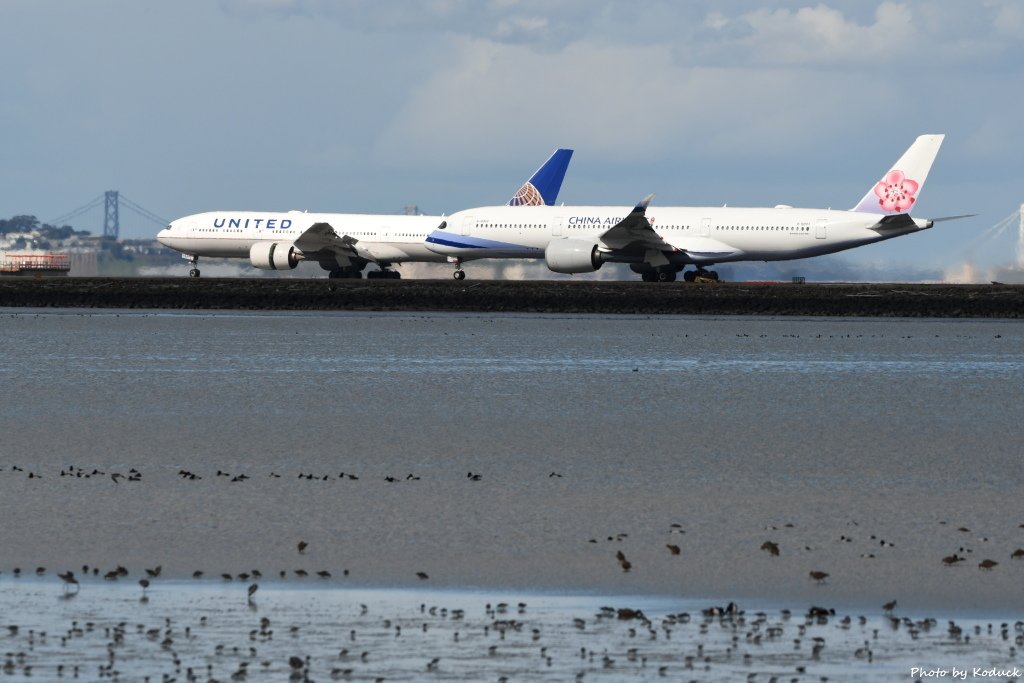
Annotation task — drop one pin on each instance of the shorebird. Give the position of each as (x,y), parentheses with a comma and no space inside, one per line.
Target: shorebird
(771,548)
(423,575)
(889,607)
(1017,554)
(302,547)
(197,574)
(818,576)
(145,584)
(153,573)
(69,580)
(252,590)
(950,560)
(674,549)
(324,574)
(987,564)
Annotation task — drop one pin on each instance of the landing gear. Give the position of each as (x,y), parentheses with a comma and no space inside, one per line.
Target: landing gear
(701,275)
(660,274)
(344,273)
(384,274)
(194,260)
(459,274)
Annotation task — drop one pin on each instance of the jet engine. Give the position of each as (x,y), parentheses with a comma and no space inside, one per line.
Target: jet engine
(273,255)
(573,256)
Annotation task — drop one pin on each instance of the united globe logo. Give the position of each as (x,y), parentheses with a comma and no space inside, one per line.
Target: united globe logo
(527,196)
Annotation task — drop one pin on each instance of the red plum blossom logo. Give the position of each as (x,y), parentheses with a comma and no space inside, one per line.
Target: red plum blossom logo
(896,192)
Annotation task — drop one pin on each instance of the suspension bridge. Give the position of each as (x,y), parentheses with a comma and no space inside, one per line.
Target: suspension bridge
(111,200)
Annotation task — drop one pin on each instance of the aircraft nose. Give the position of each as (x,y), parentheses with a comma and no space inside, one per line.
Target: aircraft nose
(162,236)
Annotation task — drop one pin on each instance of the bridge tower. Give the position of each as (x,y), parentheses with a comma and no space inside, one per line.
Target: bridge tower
(111,221)
(1020,239)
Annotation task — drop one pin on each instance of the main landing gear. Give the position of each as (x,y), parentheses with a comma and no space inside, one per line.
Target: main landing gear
(658,276)
(384,274)
(459,273)
(343,273)
(700,275)
(194,272)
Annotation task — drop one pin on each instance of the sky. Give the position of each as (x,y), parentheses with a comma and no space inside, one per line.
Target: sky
(371,105)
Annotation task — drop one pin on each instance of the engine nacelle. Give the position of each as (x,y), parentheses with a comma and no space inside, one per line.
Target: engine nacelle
(572,256)
(273,256)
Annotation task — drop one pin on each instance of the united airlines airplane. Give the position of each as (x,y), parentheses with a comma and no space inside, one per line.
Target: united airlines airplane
(342,243)
(660,243)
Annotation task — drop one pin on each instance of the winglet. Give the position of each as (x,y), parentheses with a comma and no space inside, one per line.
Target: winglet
(644,203)
(544,185)
(898,189)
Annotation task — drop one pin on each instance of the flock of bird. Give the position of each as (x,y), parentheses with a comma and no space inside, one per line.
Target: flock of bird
(298,638)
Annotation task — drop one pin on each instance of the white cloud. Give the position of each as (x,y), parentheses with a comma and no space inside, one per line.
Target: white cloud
(616,100)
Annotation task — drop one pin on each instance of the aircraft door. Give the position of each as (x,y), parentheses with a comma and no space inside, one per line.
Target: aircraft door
(819,228)
(466,225)
(705,227)
(558,226)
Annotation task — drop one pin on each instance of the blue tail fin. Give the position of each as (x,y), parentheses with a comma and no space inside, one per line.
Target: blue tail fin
(543,186)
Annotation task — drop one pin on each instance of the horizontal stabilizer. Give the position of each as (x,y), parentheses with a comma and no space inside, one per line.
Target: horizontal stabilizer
(953,218)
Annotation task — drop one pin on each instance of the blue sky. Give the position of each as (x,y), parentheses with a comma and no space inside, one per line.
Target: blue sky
(369,105)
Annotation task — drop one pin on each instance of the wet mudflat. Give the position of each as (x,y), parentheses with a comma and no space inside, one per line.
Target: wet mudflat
(208,631)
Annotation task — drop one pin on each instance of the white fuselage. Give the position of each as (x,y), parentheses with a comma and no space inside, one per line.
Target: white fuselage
(700,235)
(231,234)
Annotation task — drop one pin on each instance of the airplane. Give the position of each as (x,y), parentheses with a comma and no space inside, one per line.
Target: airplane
(342,243)
(658,244)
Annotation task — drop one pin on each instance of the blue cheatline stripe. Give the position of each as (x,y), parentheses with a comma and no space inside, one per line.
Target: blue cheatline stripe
(467,242)
(451,243)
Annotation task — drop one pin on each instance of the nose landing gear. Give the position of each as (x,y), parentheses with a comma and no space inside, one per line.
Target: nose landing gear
(459,274)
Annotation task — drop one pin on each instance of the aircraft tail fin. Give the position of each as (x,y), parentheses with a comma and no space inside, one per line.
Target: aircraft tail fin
(900,187)
(543,186)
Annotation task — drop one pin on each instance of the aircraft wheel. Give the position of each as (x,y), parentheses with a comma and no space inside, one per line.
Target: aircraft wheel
(690,275)
(194,272)
(395,275)
(664,276)
(713,275)
(647,277)
(459,275)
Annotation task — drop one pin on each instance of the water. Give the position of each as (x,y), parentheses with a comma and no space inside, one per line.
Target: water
(212,632)
(827,437)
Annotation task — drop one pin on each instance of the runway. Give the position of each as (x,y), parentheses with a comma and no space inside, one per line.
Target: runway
(783,299)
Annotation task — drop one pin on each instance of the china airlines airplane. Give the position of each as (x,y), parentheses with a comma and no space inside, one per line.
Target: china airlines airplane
(660,243)
(342,243)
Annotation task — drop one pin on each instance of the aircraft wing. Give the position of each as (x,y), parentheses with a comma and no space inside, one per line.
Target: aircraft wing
(322,237)
(634,234)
